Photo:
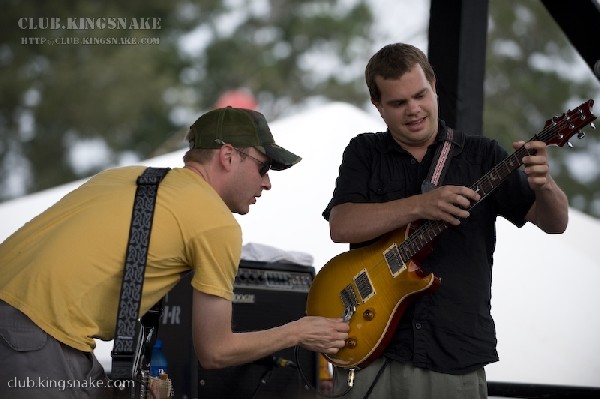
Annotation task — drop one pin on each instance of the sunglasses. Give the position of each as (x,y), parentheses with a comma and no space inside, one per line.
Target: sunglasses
(263,167)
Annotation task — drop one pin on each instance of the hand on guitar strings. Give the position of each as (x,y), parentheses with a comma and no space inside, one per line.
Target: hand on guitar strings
(447,203)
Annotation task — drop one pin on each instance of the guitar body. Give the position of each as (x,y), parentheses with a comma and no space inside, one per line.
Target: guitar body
(360,286)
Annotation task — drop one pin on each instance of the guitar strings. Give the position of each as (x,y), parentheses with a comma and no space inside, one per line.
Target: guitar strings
(413,243)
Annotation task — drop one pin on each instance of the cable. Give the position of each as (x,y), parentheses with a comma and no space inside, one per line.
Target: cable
(264,378)
(308,383)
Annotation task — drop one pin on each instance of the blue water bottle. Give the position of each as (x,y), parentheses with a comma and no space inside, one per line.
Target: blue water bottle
(158,361)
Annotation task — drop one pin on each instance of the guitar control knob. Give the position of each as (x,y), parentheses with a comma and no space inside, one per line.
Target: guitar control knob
(369,314)
(351,342)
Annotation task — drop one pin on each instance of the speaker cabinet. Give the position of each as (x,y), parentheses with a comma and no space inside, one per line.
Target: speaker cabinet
(265,295)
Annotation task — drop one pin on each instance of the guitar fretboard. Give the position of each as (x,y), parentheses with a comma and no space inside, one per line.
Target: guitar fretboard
(430,229)
(557,131)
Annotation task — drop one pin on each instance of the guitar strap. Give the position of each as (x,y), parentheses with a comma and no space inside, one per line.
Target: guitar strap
(452,145)
(127,329)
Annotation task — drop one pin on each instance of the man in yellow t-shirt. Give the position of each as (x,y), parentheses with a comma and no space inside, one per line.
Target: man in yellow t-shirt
(61,272)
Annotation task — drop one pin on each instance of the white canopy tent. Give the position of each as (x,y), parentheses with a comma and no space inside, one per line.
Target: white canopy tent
(544,292)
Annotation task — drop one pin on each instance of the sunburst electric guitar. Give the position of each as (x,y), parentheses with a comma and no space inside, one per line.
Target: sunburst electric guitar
(371,287)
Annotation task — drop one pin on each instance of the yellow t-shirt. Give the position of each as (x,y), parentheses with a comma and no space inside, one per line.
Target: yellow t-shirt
(64,268)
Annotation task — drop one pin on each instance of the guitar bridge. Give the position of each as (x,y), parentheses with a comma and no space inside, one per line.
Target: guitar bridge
(348,297)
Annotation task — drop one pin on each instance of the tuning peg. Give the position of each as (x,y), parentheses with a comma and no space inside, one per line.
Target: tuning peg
(569,144)
(592,125)
(580,134)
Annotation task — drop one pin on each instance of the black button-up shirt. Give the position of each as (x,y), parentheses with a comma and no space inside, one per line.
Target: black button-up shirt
(450,330)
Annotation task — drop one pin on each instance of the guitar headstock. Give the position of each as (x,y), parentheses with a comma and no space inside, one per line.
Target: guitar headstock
(560,129)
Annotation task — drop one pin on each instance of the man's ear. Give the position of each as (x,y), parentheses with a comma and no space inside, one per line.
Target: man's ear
(225,156)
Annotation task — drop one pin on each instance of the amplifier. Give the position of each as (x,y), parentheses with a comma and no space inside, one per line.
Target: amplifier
(265,295)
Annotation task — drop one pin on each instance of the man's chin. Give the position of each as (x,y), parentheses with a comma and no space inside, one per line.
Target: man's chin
(242,211)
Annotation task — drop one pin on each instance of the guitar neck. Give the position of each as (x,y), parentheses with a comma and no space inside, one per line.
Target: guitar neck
(556,132)
(430,229)
(491,180)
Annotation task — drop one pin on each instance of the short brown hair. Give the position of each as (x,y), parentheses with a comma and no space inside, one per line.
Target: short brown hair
(199,155)
(393,61)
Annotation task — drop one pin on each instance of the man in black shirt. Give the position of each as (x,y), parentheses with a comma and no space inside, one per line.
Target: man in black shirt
(446,337)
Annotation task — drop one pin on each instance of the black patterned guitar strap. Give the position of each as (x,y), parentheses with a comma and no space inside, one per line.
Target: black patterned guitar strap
(451,146)
(125,344)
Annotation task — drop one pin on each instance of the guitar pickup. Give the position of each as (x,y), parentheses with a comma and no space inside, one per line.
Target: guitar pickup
(364,286)
(394,260)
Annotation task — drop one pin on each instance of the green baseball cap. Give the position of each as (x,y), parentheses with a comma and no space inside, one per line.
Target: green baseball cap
(240,127)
